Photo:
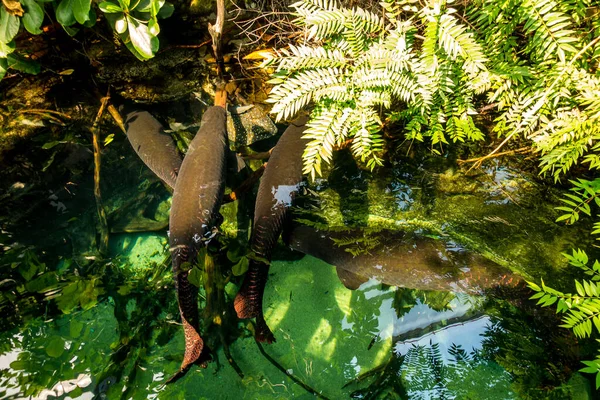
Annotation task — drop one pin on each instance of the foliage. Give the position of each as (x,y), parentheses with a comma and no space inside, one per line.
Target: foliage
(428,65)
(581,310)
(136,23)
(356,64)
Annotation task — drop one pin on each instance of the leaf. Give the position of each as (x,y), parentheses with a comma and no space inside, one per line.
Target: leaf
(153,27)
(141,39)
(108,140)
(64,13)
(55,347)
(67,72)
(6,48)
(9,26)
(75,328)
(260,54)
(195,276)
(22,64)
(109,8)
(3,67)
(166,11)
(42,283)
(33,18)
(81,10)
(579,289)
(121,24)
(241,267)
(13,7)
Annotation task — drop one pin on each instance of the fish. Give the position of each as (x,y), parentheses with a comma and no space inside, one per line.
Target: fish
(197,197)
(153,145)
(277,189)
(401,259)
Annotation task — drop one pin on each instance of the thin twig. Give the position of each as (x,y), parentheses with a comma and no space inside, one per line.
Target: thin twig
(479,160)
(43,111)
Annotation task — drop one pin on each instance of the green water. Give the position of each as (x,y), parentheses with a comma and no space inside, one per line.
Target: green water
(76,326)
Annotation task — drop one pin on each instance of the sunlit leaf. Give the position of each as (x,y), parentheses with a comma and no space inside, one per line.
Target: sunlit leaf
(141,38)
(108,8)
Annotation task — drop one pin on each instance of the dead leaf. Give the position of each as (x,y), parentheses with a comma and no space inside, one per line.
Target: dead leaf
(13,7)
(260,55)
(66,72)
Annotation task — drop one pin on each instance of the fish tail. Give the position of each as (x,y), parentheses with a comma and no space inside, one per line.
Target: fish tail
(195,350)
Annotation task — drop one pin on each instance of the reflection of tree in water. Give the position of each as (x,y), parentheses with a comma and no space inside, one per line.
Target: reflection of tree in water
(516,359)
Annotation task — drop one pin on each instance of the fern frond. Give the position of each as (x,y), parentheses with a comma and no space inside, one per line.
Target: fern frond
(550,30)
(323,134)
(301,57)
(457,42)
(302,87)
(366,135)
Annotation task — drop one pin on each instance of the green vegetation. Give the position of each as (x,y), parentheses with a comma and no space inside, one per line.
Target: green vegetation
(582,309)
(136,23)
(429,67)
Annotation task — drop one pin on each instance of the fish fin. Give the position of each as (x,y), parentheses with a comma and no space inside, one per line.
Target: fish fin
(349,279)
(195,352)
(262,332)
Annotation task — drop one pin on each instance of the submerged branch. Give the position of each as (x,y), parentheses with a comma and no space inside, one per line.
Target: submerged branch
(478,161)
(289,374)
(104,232)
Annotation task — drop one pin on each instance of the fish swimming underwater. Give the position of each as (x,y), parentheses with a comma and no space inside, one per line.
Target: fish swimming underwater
(402,259)
(276,191)
(155,147)
(194,213)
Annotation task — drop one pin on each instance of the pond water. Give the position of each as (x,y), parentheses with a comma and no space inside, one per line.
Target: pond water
(75,326)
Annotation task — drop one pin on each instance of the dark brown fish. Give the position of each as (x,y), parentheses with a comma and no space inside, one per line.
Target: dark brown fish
(196,200)
(155,147)
(401,259)
(276,191)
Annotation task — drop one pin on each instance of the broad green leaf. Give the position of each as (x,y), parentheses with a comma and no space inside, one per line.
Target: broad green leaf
(81,10)
(6,48)
(42,283)
(141,38)
(91,18)
(23,64)
(144,6)
(195,277)
(9,26)
(71,31)
(33,17)
(75,328)
(109,8)
(241,267)
(55,347)
(579,289)
(166,11)
(3,67)
(153,27)
(121,24)
(64,13)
